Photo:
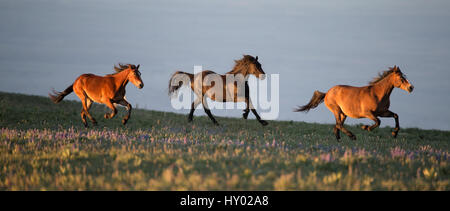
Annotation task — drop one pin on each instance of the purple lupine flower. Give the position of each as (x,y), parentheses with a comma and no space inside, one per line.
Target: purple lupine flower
(397,152)
(326,157)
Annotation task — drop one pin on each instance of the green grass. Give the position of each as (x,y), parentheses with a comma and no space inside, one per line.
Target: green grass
(44,146)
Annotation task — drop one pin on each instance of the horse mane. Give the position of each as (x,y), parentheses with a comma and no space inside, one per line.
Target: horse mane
(242,65)
(381,76)
(121,67)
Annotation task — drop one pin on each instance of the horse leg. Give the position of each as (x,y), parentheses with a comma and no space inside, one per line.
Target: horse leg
(336,130)
(208,112)
(83,117)
(397,123)
(86,102)
(340,119)
(343,129)
(247,101)
(82,97)
(112,107)
(375,119)
(250,105)
(193,106)
(246,110)
(86,106)
(129,108)
(263,122)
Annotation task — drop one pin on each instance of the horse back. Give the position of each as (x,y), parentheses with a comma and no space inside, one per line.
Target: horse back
(95,86)
(90,79)
(346,90)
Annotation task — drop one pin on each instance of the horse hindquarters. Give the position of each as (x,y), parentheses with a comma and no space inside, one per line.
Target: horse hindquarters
(86,102)
(332,103)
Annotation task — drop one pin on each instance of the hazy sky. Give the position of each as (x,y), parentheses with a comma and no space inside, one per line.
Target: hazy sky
(311,44)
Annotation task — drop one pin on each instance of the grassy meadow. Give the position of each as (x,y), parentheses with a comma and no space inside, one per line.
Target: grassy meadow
(44,146)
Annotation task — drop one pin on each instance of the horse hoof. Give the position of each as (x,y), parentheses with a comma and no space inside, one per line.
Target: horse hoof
(216,123)
(106,116)
(394,134)
(353,137)
(365,127)
(264,123)
(245,115)
(338,138)
(124,121)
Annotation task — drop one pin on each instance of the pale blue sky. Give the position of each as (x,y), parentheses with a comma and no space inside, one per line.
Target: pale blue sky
(311,44)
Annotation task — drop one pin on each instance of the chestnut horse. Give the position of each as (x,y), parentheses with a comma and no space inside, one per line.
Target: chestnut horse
(108,90)
(362,102)
(219,87)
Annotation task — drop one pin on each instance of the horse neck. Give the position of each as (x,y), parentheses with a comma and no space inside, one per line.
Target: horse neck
(121,78)
(383,88)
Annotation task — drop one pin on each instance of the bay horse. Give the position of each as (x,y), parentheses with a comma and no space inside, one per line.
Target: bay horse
(108,90)
(208,84)
(370,101)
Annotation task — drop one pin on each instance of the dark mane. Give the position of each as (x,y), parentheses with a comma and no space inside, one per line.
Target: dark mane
(381,76)
(242,65)
(122,67)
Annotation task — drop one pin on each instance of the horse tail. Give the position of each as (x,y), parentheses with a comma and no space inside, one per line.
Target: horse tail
(316,99)
(178,80)
(56,97)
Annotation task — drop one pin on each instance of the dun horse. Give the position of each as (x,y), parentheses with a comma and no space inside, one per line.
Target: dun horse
(362,102)
(219,88)
(108,90)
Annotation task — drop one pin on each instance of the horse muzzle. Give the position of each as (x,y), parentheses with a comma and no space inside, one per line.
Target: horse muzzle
(141,86)
(410,88)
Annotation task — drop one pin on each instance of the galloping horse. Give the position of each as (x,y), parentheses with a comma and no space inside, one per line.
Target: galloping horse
(219,88)
(108,90)
(362,102)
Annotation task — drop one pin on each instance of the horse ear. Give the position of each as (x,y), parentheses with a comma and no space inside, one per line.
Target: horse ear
(138,66)
(256,58)
(395,68)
